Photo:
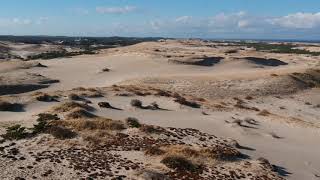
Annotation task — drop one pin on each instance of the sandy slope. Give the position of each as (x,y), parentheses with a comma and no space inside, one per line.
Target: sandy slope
(287,136)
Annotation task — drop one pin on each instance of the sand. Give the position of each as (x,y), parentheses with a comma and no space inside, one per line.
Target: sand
(236,90)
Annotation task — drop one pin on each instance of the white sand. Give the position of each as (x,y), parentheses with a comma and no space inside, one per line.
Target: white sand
(296,152)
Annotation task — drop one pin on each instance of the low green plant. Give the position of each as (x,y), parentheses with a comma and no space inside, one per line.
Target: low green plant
(133,122)
(43,124)
(15,132)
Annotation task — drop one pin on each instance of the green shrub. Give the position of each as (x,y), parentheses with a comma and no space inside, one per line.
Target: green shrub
(47,117)
(43,125)
(133,122)
(136,103)
(15,132)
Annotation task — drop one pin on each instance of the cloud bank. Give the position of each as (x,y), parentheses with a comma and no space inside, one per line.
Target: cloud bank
(115,10)
(300,25)
(239,24)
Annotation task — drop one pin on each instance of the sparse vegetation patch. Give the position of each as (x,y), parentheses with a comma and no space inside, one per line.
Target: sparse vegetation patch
(180,164)
(15,132)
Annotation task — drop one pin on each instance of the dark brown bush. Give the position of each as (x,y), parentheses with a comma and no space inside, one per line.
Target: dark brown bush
(46,98)
(180,163)
(133,122)
(61,132)
(154,151)
(136,103)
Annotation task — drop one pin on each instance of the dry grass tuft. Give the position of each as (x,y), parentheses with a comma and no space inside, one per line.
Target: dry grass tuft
(94,124)
(264,113)
(249,98)
(97,137)
(45,97)
(74,97)
(92,94)
(79,89)
(242,105)
(47,117)
(68,106)
(152,129)
(221,153)
(61,132)
(89,92)
(181,150)
(183,101)
(154,151)
(79,113)
(196,154)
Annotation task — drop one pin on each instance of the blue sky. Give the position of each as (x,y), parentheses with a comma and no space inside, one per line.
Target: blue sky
(266,19)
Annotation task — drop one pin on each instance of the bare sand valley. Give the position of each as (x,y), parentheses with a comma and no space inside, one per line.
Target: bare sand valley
(171,109)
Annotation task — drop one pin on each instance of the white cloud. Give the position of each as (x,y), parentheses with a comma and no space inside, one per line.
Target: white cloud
(183,19)
(155,25)
(298,20)
(15,22)
(115,10)
(19,21)
(243,23)
(233,20)
(42,20)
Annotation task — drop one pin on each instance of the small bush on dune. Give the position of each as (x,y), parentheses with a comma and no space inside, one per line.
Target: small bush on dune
(94,124)
(136,103)
(48,117)
(154,106)
(104,105)
(133,122)
(249,98)
(221,152)
(162,93)
(92,93)
(97,137)
(151,129)
(153,175)
(232,51)
(184,101)
(74,97)
(180,163)
(40,65)
(61,132)
(154,151)
(182,150)
(264,113)
(105,70)
(68,106)
(79,113)
(15,133)
(43,122)
(45,98)
(217,152)
(41,127)
(79,89)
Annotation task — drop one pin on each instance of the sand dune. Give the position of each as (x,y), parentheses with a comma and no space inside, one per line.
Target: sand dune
(194,96)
